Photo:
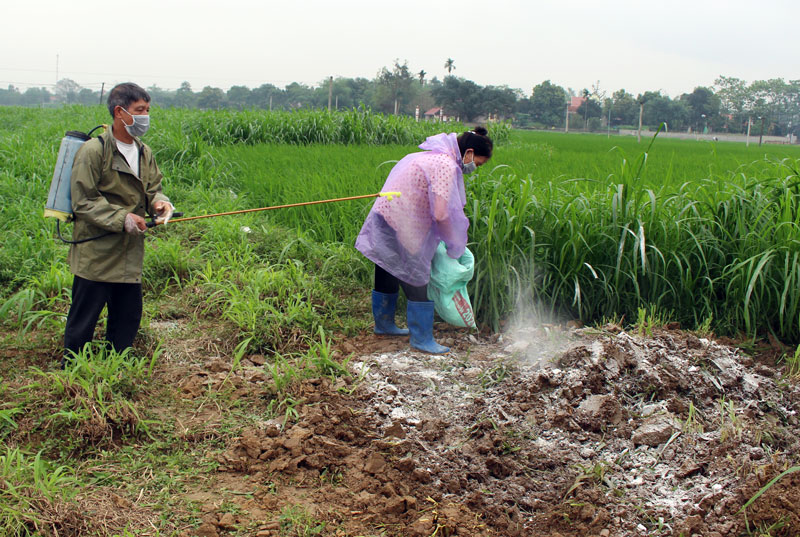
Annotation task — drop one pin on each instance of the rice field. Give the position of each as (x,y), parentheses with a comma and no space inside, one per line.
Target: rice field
(586,227)
(580,226)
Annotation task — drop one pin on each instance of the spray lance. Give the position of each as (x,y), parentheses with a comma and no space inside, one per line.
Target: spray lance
(154,222)
(59,199)
(388,195)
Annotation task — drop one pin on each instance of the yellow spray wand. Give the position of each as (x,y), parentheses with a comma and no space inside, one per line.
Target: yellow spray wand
(388,195)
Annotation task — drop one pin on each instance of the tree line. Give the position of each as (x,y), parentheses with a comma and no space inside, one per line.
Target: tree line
(731,105)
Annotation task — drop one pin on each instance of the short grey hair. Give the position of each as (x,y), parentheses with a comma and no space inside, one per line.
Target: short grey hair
(125,94)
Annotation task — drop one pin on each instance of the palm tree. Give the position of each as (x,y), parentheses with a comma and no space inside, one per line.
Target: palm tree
(421,76)
(449,65)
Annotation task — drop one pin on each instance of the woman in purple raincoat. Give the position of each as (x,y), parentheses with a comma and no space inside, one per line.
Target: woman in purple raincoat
(400,236)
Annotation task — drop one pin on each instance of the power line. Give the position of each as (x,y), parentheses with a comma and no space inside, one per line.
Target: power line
(66,74)
(31,84)
(26,70)
(129,76)
(194,86)
(48,84)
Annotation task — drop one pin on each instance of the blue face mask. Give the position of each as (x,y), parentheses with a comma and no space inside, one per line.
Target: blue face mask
(140,124)
(468,167)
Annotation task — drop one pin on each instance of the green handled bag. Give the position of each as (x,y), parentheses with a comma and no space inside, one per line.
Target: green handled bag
(448,287)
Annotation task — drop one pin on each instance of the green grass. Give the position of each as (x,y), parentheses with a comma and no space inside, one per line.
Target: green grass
(586,227)
(33,491)
(296,521)
(92,402)
(582,226)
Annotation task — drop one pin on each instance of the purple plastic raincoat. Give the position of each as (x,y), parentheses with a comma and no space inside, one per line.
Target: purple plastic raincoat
(401,235)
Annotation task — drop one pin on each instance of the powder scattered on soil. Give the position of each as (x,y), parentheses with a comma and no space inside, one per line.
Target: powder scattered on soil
(608,434)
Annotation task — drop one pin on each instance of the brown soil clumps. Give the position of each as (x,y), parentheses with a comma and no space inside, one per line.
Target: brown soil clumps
(612,435)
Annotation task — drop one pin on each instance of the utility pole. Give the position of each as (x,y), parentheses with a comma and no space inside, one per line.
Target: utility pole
(749,123)
(761,134)
(270,103)
(608,125)
(639,132)
(566,120)
(102,90)
(330,92)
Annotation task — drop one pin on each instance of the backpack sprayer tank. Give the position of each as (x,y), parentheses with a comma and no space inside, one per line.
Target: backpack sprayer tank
(59,200)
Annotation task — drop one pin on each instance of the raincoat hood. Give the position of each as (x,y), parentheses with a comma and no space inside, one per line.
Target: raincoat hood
(443,143)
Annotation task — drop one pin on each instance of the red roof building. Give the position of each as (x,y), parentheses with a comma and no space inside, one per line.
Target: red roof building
(575,103)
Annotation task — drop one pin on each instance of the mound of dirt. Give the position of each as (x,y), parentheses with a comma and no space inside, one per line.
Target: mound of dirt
(611,434)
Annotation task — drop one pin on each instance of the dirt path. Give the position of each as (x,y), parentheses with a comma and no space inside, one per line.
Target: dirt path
(543,433)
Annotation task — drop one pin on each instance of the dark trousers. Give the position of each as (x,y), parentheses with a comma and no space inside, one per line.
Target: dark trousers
(124,302)
(388,284)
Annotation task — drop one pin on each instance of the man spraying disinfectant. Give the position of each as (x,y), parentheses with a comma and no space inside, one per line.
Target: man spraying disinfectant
(115,182)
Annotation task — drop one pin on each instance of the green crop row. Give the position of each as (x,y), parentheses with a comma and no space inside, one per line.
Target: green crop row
(306,127)
(579,225)
(587,227)
(728,250)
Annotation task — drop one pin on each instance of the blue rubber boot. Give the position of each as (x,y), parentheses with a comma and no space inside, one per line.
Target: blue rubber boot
(420,322)
(383,307)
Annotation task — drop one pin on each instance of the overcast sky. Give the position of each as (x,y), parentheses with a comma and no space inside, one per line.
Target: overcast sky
(636,45)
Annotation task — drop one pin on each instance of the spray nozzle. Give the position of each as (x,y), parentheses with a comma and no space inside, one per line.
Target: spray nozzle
(389,195)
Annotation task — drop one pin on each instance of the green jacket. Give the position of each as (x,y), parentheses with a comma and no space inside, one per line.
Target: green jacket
(104,190)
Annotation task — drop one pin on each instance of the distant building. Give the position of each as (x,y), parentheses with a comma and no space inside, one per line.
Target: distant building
(435,114)
(575,103)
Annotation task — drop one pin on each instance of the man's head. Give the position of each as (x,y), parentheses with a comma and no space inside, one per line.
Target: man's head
(125,95)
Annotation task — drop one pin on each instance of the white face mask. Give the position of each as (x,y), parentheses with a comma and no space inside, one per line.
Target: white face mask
(469,167)
(140,124)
